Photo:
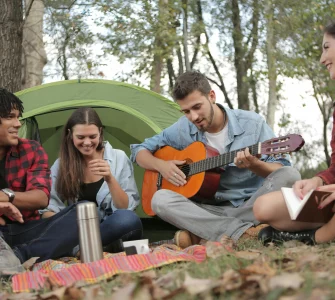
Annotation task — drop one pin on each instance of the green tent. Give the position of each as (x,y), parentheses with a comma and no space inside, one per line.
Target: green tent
(129,113)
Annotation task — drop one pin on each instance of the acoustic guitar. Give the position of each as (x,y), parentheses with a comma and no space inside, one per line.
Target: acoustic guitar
(202,167)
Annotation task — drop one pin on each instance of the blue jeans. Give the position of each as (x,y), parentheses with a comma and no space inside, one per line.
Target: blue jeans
(56,236)
(122,224)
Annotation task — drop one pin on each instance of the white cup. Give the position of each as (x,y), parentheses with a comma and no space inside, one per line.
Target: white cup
(142,246)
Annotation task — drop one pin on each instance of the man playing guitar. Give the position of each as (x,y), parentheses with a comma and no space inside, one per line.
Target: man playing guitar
(247,177)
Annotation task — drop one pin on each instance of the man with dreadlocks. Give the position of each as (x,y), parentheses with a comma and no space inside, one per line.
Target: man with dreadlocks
(25,184)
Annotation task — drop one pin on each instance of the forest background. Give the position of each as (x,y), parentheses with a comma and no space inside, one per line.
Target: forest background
(259,55)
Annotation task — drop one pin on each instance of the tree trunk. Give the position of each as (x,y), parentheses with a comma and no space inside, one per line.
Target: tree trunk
(11,22)
(271,62)
(239,59)
(157,64)
(34,56)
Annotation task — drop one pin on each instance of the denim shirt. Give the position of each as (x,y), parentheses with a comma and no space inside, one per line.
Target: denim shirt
(121,168)
(245,128)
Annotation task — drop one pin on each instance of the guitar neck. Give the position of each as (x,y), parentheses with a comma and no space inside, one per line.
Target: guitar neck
(220,160)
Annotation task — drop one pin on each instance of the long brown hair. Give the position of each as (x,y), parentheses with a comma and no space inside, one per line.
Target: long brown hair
(70,173)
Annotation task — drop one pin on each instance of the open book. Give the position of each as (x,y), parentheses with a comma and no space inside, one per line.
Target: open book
(306,210)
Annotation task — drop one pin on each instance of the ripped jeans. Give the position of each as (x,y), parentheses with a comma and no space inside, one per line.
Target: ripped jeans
(211,222)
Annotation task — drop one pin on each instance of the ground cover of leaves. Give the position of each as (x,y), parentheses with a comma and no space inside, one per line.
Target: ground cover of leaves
(246,270)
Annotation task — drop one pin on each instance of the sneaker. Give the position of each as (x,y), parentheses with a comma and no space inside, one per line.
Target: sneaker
(269,234)
(9,263)
(184,239)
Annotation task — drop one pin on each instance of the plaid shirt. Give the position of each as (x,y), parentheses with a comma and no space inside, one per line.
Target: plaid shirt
(328,176)
(27,169)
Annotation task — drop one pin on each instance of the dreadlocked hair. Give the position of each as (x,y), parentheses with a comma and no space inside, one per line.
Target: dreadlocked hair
(9,101)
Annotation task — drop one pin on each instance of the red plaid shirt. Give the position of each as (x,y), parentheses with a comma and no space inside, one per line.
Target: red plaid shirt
(328,176)
(27,169)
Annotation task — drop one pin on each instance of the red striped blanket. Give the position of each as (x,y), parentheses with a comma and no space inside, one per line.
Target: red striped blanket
(67,271)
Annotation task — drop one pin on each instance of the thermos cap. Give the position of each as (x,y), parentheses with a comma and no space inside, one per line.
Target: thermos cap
(86,210)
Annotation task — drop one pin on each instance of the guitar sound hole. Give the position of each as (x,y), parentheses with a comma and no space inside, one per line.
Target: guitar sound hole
(185,169)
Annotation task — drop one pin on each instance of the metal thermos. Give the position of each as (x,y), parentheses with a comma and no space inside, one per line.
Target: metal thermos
(89,232)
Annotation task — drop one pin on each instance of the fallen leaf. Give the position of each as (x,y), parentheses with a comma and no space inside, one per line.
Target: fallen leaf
(293,297)
(216,249)
(149,274)
(54,295)
(297,250)
(261,280)
(307,259)
(29,263)
(23,296)
(91,291)
(196,286)
(231,280)
(167,280)
(250,255)
(323,275)
(3,296)
(321,294)
(75,293)
(292,244)
(227,242)
(286,280)
(259,268)
(141,293)
(124,293)
(159,293)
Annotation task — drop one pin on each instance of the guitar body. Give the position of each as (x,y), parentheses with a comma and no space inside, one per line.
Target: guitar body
(204,184)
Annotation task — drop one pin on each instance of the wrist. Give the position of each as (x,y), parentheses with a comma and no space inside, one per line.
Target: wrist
(109,179)
(319,181)
(8,195)
(158,165)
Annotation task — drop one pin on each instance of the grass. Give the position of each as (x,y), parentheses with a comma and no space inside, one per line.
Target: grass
(251,271)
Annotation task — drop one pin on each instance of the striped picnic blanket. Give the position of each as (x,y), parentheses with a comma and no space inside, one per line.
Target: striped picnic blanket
(67,271)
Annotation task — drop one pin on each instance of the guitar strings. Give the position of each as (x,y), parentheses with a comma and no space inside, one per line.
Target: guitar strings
(219,160)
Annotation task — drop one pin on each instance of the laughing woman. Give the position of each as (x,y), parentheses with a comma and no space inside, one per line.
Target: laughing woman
(89,169)
(271,208)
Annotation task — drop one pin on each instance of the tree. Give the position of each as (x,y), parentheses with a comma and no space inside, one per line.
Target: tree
(71,38)
(301,38)
(271,63)
(11,28)
(34,56)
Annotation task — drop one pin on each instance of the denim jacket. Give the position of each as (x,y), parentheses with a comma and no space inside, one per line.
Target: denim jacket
(121,168)
(245,128)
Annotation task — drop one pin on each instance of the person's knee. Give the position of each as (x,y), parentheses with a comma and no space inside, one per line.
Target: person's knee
(159,202)
(288,175)
(260,209)
(129,218)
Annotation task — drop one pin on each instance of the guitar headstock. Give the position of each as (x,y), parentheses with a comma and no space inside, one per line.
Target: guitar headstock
(283,144)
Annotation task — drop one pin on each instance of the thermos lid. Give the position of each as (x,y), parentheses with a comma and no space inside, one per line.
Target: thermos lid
(86,210)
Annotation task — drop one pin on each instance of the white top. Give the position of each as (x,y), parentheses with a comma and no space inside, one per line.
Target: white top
(218,140)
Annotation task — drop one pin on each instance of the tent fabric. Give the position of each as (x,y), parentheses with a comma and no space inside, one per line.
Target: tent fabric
(129,113)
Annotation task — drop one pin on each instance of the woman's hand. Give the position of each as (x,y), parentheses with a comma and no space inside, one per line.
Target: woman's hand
(302,187)
(330,198)
(9,210)
(100,167)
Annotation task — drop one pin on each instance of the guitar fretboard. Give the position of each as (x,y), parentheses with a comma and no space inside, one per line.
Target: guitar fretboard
(218,161)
